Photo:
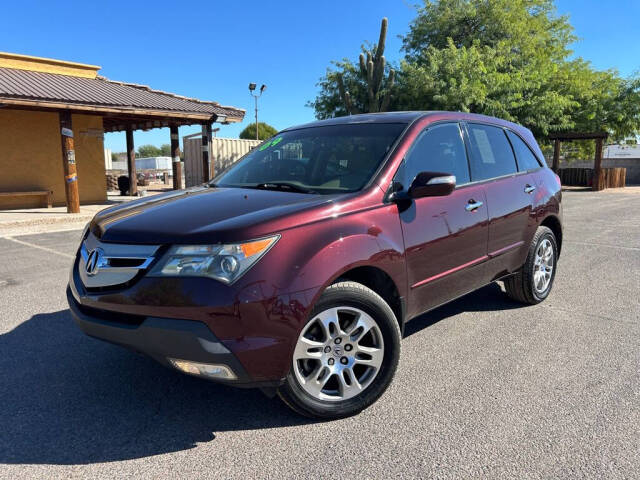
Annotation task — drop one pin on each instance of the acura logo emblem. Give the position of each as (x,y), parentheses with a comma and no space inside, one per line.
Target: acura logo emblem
(95,260)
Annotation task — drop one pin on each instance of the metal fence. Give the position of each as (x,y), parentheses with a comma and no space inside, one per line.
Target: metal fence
(224,152)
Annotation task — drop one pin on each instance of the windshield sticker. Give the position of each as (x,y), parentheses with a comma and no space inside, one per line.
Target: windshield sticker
(271,143)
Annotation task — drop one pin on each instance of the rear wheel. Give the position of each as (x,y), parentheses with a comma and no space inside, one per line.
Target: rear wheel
(346,354)
(533,282)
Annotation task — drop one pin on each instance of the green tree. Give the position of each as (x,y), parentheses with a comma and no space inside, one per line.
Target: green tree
(527,26)
(145,151)
(264,131)
(509,58)
(505,58)
(165,150)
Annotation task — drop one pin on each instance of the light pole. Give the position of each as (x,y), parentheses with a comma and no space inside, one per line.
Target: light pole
(252,87)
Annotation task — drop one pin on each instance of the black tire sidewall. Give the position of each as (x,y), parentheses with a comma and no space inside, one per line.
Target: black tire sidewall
(545,234)
(371,303)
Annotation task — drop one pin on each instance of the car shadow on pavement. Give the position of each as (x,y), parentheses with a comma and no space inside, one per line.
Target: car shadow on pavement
(69,399)
(486,299)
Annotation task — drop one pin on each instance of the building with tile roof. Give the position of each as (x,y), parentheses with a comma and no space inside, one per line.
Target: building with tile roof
(53,115)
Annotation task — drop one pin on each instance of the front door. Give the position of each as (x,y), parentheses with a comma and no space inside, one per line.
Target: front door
(445,237)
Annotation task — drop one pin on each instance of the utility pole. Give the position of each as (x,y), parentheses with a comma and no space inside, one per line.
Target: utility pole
(252,87)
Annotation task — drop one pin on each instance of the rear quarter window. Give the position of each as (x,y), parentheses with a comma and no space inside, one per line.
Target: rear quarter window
(524,156)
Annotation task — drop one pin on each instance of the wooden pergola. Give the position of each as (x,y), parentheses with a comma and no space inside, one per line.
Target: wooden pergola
(599,137)
(127,122)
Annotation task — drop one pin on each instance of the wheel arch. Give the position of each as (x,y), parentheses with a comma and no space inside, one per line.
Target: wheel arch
(553,223)
(380,282)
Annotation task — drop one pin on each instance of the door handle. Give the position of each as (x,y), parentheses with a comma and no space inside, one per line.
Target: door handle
(472,206)
(528,188)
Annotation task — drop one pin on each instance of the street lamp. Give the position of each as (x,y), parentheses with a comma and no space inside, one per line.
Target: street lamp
(252,88)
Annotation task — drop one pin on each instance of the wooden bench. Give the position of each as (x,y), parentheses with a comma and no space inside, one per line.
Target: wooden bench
(48,195)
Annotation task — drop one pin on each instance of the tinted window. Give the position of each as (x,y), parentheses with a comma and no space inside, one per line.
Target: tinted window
(525,157)
(492,155)
(327,159)
(439,149)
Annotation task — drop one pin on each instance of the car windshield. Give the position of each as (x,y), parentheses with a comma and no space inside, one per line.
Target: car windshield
(324,160)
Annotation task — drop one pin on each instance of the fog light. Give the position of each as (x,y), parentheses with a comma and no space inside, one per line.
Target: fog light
(203,369)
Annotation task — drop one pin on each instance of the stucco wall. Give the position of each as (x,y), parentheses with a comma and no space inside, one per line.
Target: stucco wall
(31,157)
(48,65)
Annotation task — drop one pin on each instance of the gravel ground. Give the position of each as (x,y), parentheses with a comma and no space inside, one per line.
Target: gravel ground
(485,388)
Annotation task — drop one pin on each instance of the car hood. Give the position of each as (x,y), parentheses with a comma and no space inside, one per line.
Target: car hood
(202,215)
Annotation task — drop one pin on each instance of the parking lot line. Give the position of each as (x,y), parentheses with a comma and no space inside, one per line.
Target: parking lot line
(46,249)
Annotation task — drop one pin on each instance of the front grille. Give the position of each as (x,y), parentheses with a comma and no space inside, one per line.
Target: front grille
(104,265)
(126,262)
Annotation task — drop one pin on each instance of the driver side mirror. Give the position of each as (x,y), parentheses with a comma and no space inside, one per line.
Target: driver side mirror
(432,184)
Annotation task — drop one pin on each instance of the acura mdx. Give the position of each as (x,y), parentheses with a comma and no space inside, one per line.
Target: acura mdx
(297,268)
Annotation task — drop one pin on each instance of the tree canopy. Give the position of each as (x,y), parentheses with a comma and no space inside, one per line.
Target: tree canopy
(506,58)
(264,131)
(145,151)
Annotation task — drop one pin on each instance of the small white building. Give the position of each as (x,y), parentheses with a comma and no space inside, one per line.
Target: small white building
(621,151)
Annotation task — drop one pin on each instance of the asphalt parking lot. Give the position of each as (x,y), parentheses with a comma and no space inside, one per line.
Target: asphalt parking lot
(485,387)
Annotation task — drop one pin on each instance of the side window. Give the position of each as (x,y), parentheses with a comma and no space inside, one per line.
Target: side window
(525,157)
(492,155)
(439,149)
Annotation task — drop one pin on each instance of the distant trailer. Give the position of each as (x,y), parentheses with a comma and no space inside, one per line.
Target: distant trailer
(224,152)
(147,163)
(153,163)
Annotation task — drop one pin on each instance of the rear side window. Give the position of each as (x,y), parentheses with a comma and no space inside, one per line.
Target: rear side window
(492,155)
(525,157)
(439,149)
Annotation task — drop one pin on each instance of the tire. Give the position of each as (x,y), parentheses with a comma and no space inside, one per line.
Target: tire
(523,286)
(369,340)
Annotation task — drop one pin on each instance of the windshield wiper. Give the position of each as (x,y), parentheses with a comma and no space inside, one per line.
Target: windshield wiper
(292,187)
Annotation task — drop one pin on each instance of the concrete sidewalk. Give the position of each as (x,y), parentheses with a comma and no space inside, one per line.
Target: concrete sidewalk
(40,220)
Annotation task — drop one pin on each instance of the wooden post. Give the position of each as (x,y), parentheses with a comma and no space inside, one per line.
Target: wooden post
(131,162)
(175,155)
(556,156)
(597,183)
(206,145)
(69,163)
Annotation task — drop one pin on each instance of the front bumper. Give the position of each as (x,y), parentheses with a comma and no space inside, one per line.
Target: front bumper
(163,338)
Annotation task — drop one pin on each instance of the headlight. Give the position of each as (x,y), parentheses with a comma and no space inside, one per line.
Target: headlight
(225,263)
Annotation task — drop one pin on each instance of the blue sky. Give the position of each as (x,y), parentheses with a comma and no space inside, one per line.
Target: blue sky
(212,49)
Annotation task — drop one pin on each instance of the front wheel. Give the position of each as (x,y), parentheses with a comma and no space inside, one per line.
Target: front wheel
(345,356)
(533,282)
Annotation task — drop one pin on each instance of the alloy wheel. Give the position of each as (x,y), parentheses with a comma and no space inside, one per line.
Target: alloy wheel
(543,266)
(338,354)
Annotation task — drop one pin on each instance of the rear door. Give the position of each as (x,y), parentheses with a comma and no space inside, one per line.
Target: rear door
(445,237)
(508,193)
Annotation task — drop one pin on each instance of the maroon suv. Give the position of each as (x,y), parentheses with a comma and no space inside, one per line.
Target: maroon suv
(296,269)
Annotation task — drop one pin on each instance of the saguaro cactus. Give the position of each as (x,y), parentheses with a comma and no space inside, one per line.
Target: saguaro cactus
(372,70)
